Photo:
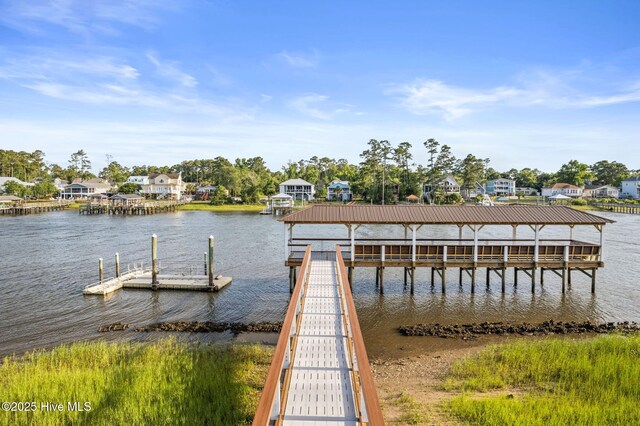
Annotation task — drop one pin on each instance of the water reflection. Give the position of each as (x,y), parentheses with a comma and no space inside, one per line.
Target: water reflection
(46,260)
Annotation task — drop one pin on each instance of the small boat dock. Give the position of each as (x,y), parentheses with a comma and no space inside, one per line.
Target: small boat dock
(129,208)
(15,206)
(155,277)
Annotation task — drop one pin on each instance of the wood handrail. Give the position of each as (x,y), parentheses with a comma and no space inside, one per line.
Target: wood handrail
(369,393)
(263,412)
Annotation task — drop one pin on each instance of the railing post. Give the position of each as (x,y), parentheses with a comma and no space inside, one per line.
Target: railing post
(352,231)
(413,243)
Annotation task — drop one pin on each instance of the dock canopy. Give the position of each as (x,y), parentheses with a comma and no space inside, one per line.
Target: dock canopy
(444,215)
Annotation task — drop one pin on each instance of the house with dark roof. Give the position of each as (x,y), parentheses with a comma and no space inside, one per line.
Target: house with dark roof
(631,188)
(85,188)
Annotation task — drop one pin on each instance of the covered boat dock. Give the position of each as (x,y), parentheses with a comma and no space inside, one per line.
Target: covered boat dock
(531,256)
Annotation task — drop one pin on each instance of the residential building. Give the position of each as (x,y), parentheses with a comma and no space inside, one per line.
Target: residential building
(563,189)
(126,200)
(299,189)
(160,185)
(501,186)
(448,185)
(339,190)
(472,191)
(600,191)
(631,188)
(84,188)
(281,201)
(139,180)
(526,190)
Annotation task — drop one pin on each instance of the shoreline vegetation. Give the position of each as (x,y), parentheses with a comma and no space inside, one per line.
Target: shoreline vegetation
(523,380)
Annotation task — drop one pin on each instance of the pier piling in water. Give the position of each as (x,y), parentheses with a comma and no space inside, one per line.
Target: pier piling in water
(100,270)
(117,265)
(154,261)
(210,264)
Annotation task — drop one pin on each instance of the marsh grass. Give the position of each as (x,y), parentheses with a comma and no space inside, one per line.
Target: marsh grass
(137,384)
(412,412)
(551,382)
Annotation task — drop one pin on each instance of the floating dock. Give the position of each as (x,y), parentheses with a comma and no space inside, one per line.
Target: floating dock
(151,278)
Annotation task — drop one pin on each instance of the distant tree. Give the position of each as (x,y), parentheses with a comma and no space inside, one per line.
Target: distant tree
(610,173)
(115,173)
(16,189)
(574,173)
(492,174)
(190,188)
(44,189)
(79,164)
(471,170)
(219,196)
(527,177)
(129,188)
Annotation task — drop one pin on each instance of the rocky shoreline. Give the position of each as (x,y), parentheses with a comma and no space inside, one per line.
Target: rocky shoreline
(199,327)
(472,331)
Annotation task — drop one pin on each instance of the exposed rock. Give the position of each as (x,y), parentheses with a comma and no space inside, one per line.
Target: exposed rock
(116,326)
(471,331)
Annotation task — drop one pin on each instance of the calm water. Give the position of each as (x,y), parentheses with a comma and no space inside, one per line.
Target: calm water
(46,260)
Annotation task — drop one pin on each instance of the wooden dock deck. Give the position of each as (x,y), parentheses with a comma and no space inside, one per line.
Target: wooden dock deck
(165,282)
(31,208)
(146,208)
(320,373)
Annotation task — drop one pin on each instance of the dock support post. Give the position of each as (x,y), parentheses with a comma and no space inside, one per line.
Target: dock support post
(117,265)
(350,277)
(444,279)
(405,276)
(413,279)
(291,282)
(377,276)
(382,280)
(505,259)
(488,278)
(533,278)
(445,258)
(569,277)
(460,276)
(210,263)
(473,278)
(565,265)
(593,280)
(205,263)
(433,273)
(541,277)
(154,261)
(100,270)
(515,277)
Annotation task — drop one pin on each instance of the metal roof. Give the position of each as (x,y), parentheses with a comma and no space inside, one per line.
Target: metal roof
(443,215)
(299,182)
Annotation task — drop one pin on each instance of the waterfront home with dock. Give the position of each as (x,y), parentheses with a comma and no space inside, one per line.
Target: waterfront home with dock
(339,190)
(81,188)
(299,189)
(5,179)
(501,187)
(600,191)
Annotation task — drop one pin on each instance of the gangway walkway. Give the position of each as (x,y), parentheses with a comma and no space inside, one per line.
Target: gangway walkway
(320,374)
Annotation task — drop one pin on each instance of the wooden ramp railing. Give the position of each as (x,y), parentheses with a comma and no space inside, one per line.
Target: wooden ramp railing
(320,372)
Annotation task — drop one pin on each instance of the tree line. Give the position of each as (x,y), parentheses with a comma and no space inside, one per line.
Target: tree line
(385,171)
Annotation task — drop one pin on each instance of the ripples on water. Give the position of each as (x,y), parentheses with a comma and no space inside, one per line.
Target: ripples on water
(46,260)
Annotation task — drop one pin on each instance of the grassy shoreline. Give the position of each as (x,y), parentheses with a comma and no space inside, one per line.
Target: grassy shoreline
(205,206)
(136,383)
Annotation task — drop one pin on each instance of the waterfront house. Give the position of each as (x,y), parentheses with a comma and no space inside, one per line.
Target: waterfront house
(631,188)
(449,185)
(126,200)
(299,189)
(600,191)
(204,192)
(160,185)
(138,180)
(472,191)
(84,188)
(527,190)
(339,190)
(98,198)
(281,201)
(501,187)
(565,189)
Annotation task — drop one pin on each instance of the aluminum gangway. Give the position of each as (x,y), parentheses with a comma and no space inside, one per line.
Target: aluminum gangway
(320,374)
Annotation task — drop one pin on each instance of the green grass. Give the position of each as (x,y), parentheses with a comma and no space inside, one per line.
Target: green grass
(205,206)
(137,384)
(412,412)
(550,382)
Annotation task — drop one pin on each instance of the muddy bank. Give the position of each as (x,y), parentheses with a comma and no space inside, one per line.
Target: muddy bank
(471,331)
(199,327)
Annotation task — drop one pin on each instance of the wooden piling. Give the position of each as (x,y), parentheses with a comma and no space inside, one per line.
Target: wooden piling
(210,263)
(205,263)
(433,273)
(377,276)
(382,280)
(100,270)
(444,279)
(291,282)
(154,261)
(533,279)
(413,279)
(488,278)
(473,279)
(593,280)
(405,276)
(117,265)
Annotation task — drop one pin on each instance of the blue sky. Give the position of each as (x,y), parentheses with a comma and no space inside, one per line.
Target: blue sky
(528,84)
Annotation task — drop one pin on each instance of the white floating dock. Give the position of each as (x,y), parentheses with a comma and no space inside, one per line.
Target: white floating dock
(167,282)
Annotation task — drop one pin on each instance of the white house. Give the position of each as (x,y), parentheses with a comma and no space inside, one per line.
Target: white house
(565,189)
(164,185)
(84,188)
(501,186)
(5,179)
(139,180)
(449,185)
(339,190)
(631,188)
(299,189)
(600,191)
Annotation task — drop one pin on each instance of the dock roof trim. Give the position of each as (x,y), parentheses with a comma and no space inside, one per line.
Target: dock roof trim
(443,215)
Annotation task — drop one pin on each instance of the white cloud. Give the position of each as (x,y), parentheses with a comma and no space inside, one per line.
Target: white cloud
(433,96)
(299,60)
(310,105)
(84,17)
(170,70)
